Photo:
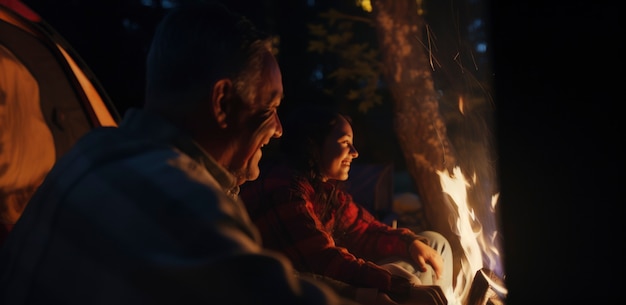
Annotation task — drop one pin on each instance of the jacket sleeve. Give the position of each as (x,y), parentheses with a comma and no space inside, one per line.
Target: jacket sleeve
(368,237)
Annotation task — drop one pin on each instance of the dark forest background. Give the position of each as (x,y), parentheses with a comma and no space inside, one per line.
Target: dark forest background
(557,72)
(112,37)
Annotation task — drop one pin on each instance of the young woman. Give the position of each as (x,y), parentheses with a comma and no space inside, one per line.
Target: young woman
(301,210)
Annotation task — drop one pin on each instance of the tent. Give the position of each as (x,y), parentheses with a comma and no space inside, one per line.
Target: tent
(48,99)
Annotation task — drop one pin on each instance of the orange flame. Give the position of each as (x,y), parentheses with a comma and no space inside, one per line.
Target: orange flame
(478,241)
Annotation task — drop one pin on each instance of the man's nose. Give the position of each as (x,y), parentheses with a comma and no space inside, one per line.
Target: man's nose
(279,127)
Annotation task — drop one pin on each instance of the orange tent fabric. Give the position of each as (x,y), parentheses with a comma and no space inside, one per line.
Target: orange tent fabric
(48,99)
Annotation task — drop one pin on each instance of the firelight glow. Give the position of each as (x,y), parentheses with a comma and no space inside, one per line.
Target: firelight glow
(477,241)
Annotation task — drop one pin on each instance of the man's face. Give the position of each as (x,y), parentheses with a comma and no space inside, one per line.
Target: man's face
(260,123)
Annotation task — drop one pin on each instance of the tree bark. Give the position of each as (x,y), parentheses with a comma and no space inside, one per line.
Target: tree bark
(419,126)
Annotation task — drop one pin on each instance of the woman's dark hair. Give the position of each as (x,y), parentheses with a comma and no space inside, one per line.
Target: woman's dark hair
(197,44)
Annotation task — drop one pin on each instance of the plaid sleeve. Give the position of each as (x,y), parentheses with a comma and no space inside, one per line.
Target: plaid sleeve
(370,238)
(292,227)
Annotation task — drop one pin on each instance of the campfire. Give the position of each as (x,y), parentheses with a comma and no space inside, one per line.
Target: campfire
(480,279)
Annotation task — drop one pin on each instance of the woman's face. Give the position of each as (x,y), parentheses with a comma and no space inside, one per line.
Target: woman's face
(338,152)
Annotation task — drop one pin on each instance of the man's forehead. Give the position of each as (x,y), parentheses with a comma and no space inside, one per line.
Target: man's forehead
(271,84)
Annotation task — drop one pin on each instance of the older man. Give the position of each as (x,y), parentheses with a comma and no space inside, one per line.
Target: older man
(148,212)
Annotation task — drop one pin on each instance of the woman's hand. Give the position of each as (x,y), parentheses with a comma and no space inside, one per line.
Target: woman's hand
(422,254)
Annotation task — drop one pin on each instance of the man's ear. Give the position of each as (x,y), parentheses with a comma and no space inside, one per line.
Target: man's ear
(222,91)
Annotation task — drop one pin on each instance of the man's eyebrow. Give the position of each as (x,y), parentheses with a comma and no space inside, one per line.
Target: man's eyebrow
(275,95)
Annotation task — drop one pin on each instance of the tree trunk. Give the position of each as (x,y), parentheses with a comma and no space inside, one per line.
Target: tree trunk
(419,126)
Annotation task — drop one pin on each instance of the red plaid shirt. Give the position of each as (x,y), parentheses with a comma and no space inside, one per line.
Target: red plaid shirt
(343,247)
